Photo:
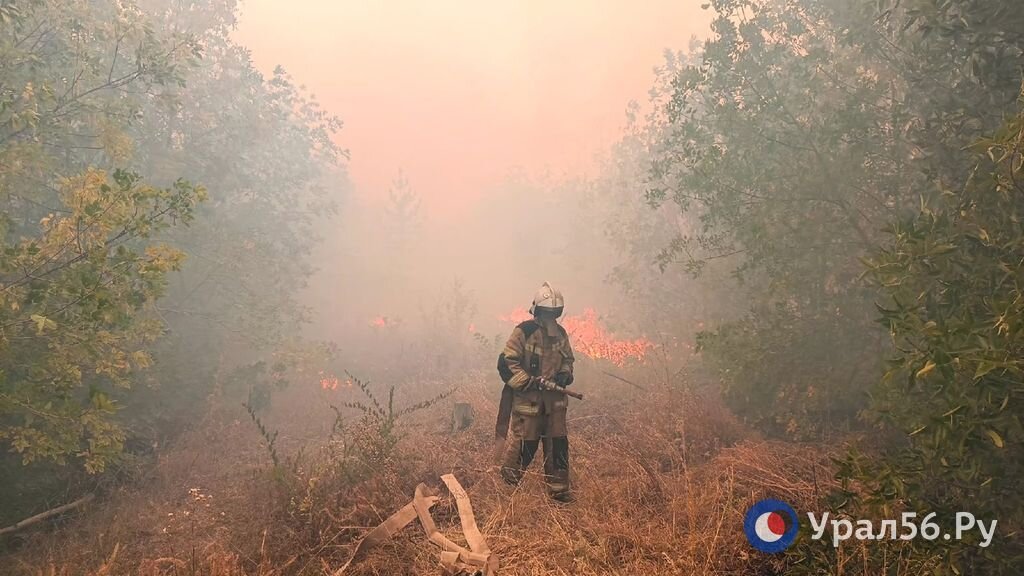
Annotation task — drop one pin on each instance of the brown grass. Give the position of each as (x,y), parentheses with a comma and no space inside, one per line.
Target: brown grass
(662,479)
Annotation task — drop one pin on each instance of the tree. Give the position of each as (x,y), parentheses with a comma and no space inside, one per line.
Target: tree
(807,126)
(765,146)
(402,218)
(664,299)
(104,107)
(817,137)
(76,315)
(954,305)
(80,270)
(265,150)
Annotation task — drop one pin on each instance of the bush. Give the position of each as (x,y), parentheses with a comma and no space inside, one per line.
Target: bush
(955,386)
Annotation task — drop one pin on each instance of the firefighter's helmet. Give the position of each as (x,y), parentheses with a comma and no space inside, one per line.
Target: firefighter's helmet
(547,299)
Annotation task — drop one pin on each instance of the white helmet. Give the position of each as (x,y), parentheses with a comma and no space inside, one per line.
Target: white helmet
(547,299)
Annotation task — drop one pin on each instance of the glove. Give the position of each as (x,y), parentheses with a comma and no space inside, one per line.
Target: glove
(563,379)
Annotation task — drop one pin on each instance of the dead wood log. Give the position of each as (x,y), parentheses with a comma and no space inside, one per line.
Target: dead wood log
(46,515)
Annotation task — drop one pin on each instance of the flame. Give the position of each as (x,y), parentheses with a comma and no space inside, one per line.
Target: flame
(516,316)
(328,381)
(383,322)
(590,338)
(332,382)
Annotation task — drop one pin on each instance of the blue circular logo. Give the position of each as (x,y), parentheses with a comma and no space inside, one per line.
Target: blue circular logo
(771,525)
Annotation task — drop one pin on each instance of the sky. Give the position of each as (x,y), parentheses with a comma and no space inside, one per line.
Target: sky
(458,94)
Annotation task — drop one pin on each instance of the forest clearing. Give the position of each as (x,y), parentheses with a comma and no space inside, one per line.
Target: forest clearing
(661,493)
(731,287)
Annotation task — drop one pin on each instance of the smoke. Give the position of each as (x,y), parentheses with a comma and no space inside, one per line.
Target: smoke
(387,264)
(481,162)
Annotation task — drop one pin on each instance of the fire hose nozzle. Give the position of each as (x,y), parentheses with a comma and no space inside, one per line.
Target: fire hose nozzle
(549,385)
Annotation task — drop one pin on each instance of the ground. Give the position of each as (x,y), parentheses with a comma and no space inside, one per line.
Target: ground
(663,476)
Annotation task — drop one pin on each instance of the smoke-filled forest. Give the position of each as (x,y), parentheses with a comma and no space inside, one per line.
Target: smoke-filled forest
(792,335)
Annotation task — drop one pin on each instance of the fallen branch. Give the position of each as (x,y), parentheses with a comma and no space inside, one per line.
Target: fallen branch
(621,379)
(46,515)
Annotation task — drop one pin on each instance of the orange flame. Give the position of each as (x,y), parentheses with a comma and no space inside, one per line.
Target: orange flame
(516,316)
(383,322)
(331,382)
(328,381)
(591,339)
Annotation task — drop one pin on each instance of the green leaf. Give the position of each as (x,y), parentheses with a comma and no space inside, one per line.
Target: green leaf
(984,367)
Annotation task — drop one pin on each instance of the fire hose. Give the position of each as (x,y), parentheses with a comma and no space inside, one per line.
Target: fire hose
(455,560)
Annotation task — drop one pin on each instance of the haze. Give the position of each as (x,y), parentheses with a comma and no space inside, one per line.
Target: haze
(458,93)
(266,266)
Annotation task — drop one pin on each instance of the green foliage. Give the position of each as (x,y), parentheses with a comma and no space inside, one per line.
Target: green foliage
(795,149)
(76,313)
(805,128)
(764,149)
(638,233)
(265,150)
(774,371)
(81,266)
(104,107)
(952,276)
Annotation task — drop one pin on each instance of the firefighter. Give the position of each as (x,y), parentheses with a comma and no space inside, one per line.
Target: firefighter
(539,350)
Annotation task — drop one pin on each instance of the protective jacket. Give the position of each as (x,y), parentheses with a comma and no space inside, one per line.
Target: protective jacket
(540,349)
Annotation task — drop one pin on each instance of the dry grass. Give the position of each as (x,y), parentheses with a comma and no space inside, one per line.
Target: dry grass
(662,480)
